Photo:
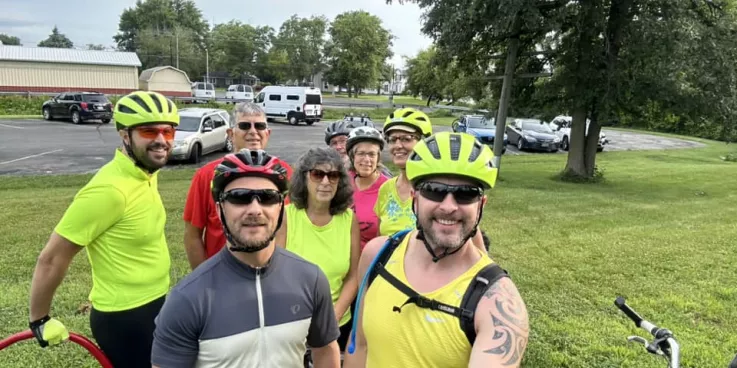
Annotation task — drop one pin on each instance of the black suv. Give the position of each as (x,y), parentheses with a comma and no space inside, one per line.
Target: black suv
(79,106)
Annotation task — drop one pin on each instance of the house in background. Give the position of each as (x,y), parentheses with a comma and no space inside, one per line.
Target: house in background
(54,70)
(166,80)
(225,79)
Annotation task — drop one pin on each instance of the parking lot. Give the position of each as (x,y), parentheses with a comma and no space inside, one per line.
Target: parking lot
(61,147)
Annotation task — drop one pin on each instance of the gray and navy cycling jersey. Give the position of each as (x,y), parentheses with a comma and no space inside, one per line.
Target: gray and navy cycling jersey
(227,314)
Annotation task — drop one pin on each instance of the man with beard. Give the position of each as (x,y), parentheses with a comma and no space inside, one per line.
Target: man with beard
(253,304)
(203,233)
(118,217)
(420,283)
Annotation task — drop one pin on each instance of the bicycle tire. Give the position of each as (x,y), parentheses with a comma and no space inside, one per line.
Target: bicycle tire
(80,340)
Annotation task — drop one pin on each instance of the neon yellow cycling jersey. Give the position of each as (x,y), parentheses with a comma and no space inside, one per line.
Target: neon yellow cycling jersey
(119,218)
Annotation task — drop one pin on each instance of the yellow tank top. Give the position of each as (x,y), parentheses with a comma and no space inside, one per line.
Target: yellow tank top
(416,337)
(329,246)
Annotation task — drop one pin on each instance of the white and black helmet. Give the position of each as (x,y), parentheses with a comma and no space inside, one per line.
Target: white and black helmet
(363,134)
(336,128)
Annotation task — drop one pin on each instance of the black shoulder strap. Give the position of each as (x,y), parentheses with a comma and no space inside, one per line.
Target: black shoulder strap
(488,275)
(384,254)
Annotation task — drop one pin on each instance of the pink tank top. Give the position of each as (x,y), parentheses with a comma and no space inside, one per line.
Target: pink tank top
(363,206)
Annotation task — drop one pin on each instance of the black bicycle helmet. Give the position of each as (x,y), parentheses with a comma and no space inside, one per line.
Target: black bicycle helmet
(337,128)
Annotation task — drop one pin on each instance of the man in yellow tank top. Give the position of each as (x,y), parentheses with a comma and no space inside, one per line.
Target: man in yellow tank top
(449,173)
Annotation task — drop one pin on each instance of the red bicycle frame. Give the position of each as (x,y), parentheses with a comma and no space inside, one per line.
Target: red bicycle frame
(73,337)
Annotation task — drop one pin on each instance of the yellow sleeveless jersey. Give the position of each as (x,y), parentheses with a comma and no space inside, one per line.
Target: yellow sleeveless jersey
(329,246)
(415,337)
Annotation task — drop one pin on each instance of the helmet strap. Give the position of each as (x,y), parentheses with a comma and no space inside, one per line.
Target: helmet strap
(129,149)
(236,246)
(436,257)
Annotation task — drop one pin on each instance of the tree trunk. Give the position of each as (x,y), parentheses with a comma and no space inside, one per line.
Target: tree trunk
(350,91)
(429,99)
(576,165)
(592,143)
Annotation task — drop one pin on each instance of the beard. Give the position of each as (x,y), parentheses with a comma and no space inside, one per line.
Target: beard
(149,155)
(446,240)
(250,243)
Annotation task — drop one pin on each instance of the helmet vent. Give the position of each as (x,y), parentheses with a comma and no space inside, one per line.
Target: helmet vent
(421,118)
(125,109)
(156,101)
(171,107)
(139,101)
(407,113)
(432,146)
(455,146)
(475,152)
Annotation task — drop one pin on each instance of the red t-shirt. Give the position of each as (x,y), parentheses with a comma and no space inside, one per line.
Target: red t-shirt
(200,209)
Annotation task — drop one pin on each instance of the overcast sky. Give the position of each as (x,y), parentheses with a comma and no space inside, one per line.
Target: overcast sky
(87,21)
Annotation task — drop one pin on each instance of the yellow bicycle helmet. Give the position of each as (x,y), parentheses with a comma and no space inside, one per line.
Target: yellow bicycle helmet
(144,107)
(409,117)
(456,154)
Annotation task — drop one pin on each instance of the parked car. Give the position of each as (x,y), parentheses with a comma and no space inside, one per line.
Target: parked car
(296,104)
(561,125)
(239,93)
(201,131)
(203,90)
(357,121)
(533,134)
(78,106)
(477,125)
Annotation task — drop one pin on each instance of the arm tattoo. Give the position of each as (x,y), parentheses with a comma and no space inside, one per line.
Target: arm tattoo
(511,326)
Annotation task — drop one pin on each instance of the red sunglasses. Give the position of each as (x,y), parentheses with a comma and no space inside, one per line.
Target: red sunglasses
(153,133)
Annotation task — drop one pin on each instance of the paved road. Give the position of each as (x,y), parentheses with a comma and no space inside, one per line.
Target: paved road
(62,147)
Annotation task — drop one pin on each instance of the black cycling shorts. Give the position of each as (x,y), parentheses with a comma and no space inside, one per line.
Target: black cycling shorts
(126,336)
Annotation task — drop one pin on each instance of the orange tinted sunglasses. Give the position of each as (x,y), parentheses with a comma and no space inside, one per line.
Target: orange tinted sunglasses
(153,133)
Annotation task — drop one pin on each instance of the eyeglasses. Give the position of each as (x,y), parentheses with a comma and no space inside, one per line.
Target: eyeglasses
(148,132)
(318,175)
(246,125)
(404,139)
(241,197)
(371,155)
(463,194)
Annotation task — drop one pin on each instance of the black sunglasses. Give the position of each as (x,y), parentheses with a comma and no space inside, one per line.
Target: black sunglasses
(317,175)
(463,194)
(246,125)
(266,197)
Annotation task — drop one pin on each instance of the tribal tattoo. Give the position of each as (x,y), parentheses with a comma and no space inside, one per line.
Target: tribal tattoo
(511,327)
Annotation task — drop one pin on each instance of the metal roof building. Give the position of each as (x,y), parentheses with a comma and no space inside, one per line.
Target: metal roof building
(167,80)
(52,70)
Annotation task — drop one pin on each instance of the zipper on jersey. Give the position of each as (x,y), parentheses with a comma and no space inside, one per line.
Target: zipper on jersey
(261,323)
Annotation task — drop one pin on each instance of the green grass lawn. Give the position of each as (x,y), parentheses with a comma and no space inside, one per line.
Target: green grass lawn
(660,230)
(407,100)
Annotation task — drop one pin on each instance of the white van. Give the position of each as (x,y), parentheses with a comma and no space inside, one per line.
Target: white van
(203,90)
(295,104)
(239,92)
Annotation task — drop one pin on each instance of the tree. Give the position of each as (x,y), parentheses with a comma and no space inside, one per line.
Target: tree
(303,41)
(237,48)
(424,76)
(156,49)
(358,49)
(56,39)
(9,40)
(162,17)
(597,48)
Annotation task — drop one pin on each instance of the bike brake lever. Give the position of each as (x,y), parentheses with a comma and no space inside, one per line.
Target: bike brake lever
(651,348)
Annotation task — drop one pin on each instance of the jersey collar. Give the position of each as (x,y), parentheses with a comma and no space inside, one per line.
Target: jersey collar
(248,271)
(129,167)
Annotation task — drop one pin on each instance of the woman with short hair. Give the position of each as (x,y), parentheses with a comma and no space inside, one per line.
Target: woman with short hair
(364,148)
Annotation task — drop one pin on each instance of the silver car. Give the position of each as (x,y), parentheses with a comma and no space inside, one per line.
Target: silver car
(201,131)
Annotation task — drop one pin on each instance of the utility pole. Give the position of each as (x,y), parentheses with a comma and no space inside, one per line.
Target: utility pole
(501,116)
(177,35)
(207,66)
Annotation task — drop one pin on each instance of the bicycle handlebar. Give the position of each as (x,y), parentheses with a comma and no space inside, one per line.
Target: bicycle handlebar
(664,340)
(73,337)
